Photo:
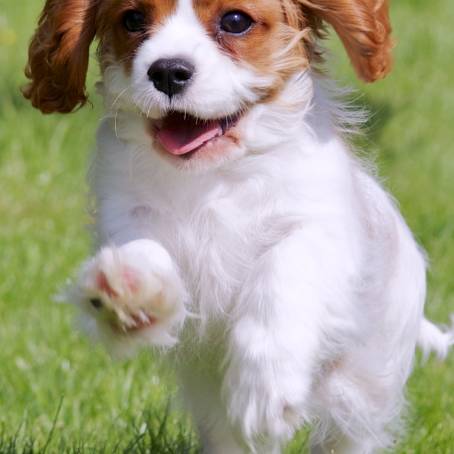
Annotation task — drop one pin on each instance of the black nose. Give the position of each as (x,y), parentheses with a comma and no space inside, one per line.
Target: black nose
(171,76)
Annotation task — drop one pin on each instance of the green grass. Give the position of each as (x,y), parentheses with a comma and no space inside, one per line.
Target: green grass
(57,392)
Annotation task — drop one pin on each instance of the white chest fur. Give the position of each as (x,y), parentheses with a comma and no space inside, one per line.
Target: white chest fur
(216,226)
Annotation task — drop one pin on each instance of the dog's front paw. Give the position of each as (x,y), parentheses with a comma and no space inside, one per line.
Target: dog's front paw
(133,293)
(264,391)
(260,408)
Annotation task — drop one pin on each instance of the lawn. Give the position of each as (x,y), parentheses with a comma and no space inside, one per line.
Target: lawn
(60,394)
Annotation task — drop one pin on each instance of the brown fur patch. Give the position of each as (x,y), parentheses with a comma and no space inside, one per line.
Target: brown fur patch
(115,41)
(262,47)
(281,41)
(58,55)
(255,46)
(364,28)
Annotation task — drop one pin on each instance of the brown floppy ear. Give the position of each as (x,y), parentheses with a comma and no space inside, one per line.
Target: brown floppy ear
(365,30)
(59,54)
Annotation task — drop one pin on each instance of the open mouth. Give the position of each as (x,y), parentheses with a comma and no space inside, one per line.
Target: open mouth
(183,134)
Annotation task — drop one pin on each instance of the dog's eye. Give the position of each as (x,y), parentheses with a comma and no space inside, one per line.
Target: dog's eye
(134,21)
(236,22)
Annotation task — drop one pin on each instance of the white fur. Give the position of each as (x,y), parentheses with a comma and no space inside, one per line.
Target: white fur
(305,285)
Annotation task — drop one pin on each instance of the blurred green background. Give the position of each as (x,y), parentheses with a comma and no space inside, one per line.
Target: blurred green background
(60,394)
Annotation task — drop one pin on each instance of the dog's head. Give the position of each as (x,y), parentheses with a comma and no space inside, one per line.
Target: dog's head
(195,69)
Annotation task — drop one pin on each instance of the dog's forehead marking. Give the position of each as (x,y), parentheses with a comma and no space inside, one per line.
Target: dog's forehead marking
(180,34)
(185,5)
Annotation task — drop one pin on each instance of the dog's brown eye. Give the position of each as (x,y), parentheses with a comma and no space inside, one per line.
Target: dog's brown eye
(134,21)
(236,22)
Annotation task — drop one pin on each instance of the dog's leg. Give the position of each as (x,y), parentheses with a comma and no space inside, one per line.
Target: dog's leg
(275,340)
(134,293)
(201,392)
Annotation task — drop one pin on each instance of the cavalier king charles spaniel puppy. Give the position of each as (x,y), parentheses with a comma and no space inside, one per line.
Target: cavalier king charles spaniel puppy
(235,227)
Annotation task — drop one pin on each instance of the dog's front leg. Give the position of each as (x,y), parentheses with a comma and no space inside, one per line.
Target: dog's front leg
(275,339)
(133,294)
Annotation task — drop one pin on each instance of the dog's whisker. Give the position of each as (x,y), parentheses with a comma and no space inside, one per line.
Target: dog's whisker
(119,96)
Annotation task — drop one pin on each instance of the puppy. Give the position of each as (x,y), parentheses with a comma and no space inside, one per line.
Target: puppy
(234,224)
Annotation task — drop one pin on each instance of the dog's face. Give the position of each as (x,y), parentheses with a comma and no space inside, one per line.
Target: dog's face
(195,69)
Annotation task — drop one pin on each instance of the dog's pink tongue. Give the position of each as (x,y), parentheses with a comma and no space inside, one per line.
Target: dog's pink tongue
(182,134)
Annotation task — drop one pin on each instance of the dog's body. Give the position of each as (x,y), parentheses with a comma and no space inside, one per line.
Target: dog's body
(303,274)
(280,272)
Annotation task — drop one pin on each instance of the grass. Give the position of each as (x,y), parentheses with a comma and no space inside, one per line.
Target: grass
(58,393)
